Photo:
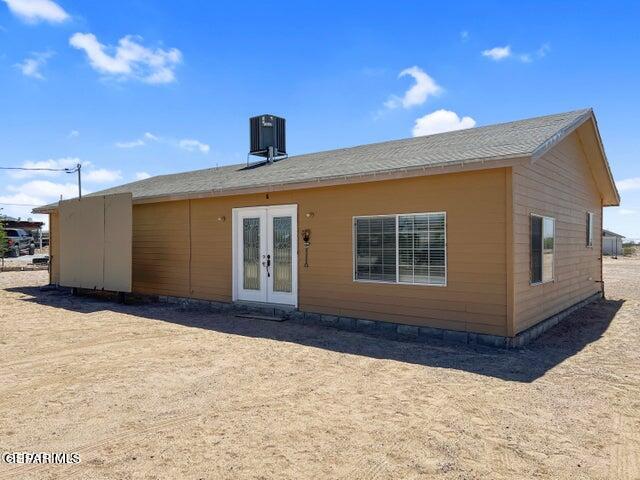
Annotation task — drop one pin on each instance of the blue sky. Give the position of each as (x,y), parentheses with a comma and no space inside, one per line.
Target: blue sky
(134,88)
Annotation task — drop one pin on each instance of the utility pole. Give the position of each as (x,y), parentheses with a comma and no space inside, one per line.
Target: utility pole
(79,167)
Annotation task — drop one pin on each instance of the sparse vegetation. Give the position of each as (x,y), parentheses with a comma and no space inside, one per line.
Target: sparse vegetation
(629,249)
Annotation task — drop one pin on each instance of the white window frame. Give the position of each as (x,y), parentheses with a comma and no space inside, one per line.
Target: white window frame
(397,281)
(553,266)
(590,218)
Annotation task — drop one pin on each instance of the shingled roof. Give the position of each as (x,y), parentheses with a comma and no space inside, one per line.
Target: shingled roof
(523,138)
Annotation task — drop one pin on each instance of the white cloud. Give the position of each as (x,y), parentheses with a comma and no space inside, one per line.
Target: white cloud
(192,145)
(18,199)
(420,91)
(132,144)
(89,172)
(45,191)
(30,66)
(129,59)
(74,133)
(101,175)
(501,53)
(36,193)
(497,53)
(441,121)
(34,11)
(189,144)
(628,184)
(139,142)
(142,175)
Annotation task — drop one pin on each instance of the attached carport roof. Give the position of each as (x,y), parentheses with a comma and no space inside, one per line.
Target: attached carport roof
(483,147)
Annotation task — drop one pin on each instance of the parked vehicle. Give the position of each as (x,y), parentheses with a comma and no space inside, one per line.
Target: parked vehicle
(19,241)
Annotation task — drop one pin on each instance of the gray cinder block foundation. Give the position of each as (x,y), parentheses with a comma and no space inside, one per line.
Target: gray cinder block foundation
(422,334)
(382,329)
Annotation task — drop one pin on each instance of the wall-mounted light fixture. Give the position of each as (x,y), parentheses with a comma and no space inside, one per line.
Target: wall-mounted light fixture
(222,218)
(306,238)
(309,214)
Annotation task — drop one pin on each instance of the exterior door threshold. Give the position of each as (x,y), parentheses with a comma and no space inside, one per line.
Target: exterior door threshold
(268,318)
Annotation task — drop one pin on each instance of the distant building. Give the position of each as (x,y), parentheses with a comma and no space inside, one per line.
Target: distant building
(32,227)
(611,243)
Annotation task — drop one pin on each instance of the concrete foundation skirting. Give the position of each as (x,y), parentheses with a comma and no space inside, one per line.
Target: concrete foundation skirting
(414,333)
(224,307)
(395,331)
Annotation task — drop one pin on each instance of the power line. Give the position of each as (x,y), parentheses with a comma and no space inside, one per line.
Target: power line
(67,170)
(19,204)
(75,169)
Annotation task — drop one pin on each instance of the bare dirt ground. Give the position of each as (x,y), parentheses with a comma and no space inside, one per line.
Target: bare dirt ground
(148,391)
(22,260)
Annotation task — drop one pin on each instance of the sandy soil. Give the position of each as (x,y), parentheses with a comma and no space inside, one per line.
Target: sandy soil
(149,391)
(23,260)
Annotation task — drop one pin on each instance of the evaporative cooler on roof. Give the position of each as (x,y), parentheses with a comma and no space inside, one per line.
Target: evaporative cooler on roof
(267,133)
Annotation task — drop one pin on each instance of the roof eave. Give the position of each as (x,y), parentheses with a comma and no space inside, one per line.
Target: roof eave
(391,174)
(609,199)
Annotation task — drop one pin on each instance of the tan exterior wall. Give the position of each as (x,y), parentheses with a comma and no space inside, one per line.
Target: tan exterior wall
(95,242)
(560,184)
(182,249)
(54,248)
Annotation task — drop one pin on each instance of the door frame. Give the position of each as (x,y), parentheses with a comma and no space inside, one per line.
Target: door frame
(268,210)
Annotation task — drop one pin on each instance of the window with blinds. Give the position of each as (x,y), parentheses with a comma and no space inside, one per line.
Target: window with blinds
(401,248)
(589,239)
(376,248)
(543,237)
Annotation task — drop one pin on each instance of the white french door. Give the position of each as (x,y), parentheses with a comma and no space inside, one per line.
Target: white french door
(265,254)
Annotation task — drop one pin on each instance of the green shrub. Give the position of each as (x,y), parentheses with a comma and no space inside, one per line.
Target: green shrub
(629,250)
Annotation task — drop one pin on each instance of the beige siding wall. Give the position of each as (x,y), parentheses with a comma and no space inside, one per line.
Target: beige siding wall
(559,185)
(54,248)
(161,246)
(181,248)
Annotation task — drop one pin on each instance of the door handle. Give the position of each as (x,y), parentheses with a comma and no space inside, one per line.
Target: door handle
(267,264)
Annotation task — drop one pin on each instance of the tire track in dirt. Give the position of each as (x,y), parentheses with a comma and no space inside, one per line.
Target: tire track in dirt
(73,351)
(6,394)
(89,447)
(625,452)
(395,443)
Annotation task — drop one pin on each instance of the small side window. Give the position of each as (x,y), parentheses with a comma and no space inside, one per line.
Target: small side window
(589,240)
(542,238)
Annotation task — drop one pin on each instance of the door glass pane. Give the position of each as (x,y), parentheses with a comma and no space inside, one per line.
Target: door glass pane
(251,253)
(282,254)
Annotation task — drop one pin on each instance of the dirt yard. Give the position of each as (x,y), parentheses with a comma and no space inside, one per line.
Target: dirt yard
(150,391)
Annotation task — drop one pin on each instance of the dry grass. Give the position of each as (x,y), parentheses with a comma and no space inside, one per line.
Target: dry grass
(152,391)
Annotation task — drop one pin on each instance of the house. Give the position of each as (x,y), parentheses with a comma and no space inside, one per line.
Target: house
(611,243)
(481,233)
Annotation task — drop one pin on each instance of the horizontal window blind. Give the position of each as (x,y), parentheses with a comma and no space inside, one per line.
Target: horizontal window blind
(376,248)
(401,248)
